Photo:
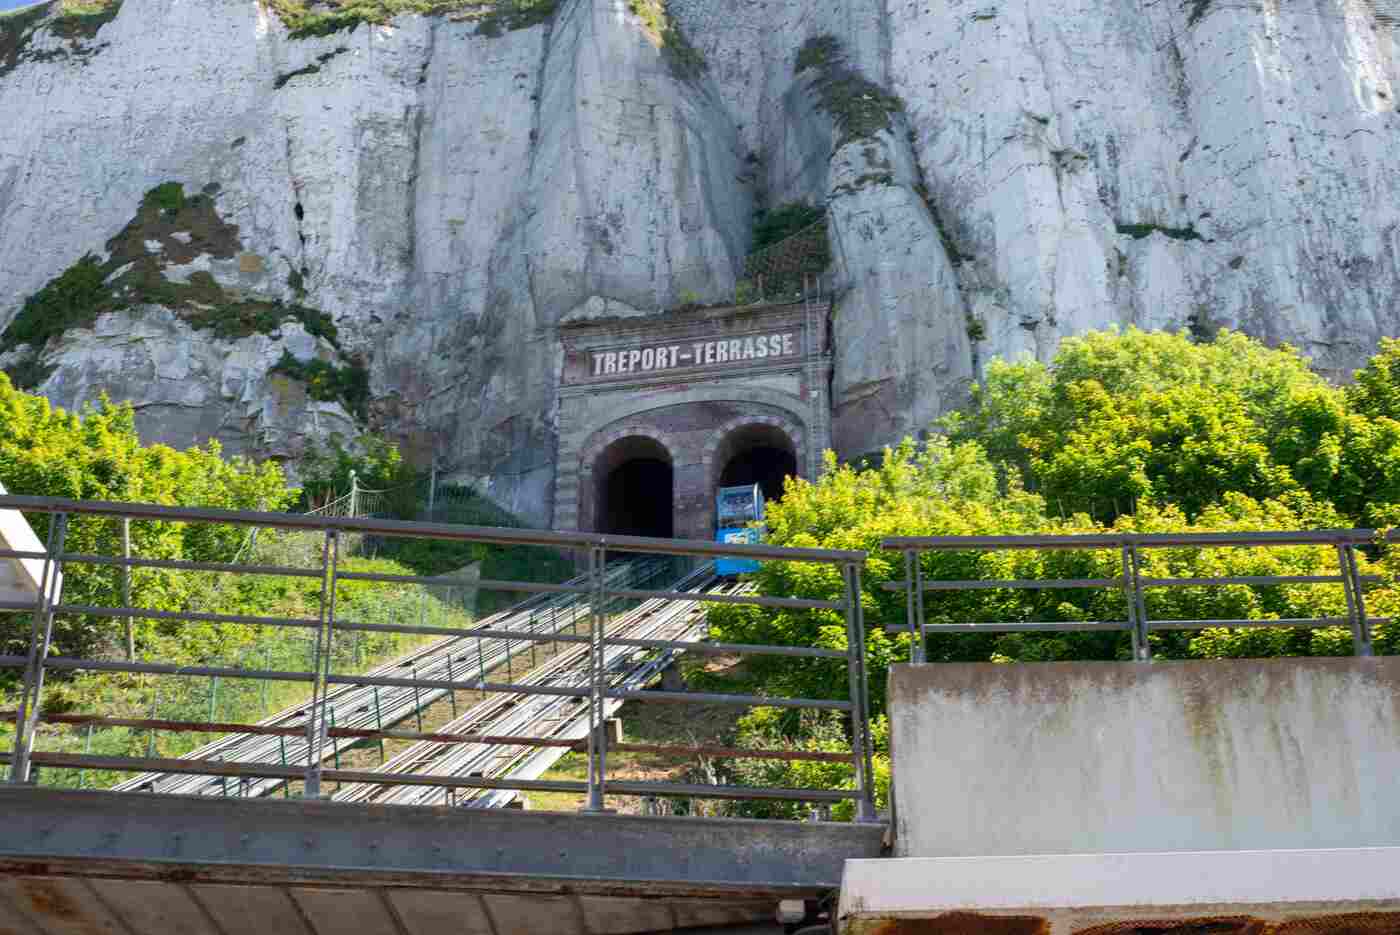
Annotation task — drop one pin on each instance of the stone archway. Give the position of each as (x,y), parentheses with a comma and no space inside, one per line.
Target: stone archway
(633,483)
(775,447)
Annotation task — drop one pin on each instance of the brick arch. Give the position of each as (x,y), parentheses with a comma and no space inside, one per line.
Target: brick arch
(593,450)
(601,440)
(790,427)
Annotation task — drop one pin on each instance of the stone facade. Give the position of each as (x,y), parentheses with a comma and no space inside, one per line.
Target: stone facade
(696,416)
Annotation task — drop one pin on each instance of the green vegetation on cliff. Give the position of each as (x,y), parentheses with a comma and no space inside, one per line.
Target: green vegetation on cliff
(185,227)
(860,107)
(306,20)
(73,20)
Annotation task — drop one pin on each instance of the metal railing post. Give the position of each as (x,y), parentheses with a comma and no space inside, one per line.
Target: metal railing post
(1130,599)
(316,713)
(916,636)
(126,590)
(40,636)
(863,757)
(1142,649)
(597,742)
(1350,573)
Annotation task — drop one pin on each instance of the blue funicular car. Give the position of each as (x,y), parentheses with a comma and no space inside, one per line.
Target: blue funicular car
(735,509)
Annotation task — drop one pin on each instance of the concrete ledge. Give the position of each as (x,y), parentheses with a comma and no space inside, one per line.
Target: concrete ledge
(1078,892)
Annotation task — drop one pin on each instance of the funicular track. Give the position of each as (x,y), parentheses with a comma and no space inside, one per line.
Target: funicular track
(380,707)
(546,717)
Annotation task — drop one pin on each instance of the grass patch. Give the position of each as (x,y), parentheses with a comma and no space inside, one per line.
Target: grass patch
(509,15)
(308,20)
(782,222)
(465,507)
(243,701)
(860,107)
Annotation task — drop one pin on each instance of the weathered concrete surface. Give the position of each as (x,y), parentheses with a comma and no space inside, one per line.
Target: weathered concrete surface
(1245,892)
(146,865)
(1101,757)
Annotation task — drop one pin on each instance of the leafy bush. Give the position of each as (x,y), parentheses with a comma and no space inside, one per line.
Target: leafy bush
(96,455)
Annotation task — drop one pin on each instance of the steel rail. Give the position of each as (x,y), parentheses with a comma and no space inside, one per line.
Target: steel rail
(281,571)
(574,746)
(446,531)
(189,616)
(1069,626)
(1139,540)
(983,584)
(488,633)
(725,649)
(159,668)
(797,603)
(747,701)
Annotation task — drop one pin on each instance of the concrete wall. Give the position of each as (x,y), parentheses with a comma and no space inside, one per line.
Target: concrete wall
(1096,757)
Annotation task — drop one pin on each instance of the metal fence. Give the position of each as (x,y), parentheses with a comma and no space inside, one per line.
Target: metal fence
(328,627)
(1133,584)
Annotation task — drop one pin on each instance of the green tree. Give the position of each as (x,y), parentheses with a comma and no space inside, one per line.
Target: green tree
(1118,418)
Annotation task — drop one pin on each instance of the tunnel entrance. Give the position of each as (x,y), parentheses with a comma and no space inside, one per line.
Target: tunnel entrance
(757,454)
(635,493)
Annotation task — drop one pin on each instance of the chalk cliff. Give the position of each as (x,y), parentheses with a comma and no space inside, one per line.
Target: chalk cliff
(384,225)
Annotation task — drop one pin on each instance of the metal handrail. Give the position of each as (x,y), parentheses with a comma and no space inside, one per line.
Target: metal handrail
(1133,583)
(489,535)
(596,591)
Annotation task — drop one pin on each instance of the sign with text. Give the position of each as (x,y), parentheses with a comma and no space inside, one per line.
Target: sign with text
(655,358)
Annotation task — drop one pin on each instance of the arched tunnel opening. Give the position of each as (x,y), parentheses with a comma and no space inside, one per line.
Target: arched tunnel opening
(758,454)
(635,489)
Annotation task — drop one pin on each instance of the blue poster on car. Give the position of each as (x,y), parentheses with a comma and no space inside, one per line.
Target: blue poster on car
(737,566)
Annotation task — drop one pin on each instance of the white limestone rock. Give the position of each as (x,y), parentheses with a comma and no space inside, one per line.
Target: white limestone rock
(186,388)
(449,198)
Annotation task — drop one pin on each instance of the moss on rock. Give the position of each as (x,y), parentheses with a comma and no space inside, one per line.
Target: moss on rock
(135,274)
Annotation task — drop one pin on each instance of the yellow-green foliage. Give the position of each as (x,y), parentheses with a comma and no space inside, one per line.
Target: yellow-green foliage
(96,455)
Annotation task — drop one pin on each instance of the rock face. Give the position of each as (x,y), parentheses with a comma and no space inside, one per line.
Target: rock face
(449,194)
